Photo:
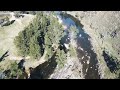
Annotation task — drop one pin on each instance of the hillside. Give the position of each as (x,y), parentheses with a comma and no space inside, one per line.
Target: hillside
(103,28)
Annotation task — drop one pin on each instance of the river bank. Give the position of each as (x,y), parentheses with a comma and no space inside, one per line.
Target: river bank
(86,57)
(100,25)
(94,54)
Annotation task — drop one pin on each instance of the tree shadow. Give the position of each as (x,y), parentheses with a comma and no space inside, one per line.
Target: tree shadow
(112,65)
(41,42)
(64,40)
(4,55)
(44,70)
(21,64)
(8,23)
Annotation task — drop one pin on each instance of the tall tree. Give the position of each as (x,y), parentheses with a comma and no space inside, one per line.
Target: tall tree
(35,50)
(61,57)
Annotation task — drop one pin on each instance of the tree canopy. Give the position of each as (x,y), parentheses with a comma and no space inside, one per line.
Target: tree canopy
(44,33)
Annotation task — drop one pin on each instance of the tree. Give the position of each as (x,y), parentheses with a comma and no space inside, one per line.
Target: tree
(29,41)
(72,51)
(61,57)
(34,47)
(21,43)
(53,36)
(14,72)
(73,31)
(44,33)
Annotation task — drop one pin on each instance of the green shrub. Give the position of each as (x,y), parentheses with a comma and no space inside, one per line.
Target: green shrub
(13,72)
(40,35)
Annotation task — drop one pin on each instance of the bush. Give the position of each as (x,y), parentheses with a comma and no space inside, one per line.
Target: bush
(27,41)
(14,72)
(44,33)
(61,57)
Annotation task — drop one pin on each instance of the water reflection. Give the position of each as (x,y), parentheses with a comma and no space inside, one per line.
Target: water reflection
(90,68)
(85,54)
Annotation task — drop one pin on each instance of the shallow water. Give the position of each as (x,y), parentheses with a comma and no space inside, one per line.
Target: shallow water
(84,48)
(84,52)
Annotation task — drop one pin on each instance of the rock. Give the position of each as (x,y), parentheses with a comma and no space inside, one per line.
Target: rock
(113,34)
(1,21)
(88,61)
(66,45)
(82,57)
(71,70)
(80,35)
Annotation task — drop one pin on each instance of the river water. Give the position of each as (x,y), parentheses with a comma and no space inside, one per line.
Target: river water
(84,48)
(85,54)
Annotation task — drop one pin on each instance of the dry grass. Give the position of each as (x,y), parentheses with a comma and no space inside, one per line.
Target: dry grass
(8,33)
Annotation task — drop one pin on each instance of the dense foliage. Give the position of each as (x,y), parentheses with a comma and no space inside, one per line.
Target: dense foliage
(14,72)
(44,33)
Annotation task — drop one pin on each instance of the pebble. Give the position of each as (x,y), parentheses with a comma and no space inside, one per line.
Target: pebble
(82,57)
(82,49)
(83,61)
(88,62)
(80,35)
(89,57)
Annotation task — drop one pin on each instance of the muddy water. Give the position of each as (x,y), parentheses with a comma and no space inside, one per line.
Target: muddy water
(84,48)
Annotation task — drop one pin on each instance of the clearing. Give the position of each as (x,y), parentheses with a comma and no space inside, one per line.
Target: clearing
(8,33)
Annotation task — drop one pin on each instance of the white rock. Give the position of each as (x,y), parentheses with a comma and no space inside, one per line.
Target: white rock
(82,57)
(66,45)
(89,57)
(80,35)
(81,49)
(88,62)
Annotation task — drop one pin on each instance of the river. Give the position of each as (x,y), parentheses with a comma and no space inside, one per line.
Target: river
(84,48)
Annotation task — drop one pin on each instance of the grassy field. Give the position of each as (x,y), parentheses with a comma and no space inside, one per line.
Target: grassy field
(8,33)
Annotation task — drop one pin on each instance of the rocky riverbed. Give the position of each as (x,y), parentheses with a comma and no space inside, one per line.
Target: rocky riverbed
(103,28)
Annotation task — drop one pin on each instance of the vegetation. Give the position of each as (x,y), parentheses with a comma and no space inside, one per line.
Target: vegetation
(72,51)
(14,72)
(53,37)
(61,57)
(29,41)
(44,33)
(73,32)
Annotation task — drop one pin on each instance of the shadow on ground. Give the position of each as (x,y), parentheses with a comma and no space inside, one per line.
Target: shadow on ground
(4,55)
(110,62)
(44,70)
